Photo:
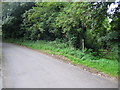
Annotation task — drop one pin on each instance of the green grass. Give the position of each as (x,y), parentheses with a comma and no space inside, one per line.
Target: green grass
(107,66)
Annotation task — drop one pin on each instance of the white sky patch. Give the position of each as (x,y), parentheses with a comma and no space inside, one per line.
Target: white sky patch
(117,0)
(109,19)
(112,7)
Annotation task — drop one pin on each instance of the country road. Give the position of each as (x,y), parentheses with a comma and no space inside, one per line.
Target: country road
(26,68)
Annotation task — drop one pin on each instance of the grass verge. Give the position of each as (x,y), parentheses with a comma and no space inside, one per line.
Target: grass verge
(106,66)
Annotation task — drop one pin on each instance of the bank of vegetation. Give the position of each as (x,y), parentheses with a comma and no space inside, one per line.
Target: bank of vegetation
(85,32)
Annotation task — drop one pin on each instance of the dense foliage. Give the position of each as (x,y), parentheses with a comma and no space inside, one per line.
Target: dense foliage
(11,17)
(78,23)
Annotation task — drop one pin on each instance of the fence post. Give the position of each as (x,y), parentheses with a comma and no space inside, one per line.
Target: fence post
(83,45)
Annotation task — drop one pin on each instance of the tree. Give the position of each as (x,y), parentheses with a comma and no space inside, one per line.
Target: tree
(12,18)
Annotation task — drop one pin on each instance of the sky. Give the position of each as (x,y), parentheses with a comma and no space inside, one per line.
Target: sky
(111,8)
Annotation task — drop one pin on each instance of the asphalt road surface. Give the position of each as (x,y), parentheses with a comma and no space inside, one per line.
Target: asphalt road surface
(26,68)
